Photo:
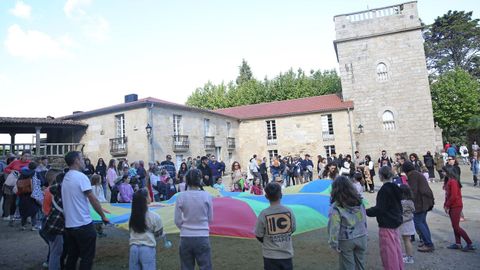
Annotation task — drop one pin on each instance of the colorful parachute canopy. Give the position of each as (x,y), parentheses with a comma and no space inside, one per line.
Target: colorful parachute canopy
(235,213)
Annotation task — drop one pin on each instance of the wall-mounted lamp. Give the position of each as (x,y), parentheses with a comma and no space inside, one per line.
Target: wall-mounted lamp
(148,128)
(360,128)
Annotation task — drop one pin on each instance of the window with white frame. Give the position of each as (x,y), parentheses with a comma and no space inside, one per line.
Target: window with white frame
(177,125)
(388,120)
(206,127)
(120,126)
(229,129)
(382,72)
(329,149)
(272,153)
(271,132)
(327,127)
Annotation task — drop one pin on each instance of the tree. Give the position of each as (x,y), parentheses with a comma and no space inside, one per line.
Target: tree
(455,100)
(245,73)
(453,41)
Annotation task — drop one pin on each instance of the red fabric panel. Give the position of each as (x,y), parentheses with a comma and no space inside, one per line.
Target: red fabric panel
(232,218)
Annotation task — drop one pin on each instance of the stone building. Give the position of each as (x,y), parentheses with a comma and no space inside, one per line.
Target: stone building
(383,71)
(314,125)
(148,129)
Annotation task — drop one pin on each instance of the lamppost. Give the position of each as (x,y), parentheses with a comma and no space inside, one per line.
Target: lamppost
(360,128)
(148,129)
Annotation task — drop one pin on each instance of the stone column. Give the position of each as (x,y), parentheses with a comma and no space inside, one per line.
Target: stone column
(37,141)
(12,143)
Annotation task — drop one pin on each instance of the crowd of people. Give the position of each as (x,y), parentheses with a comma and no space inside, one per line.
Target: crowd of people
(59,207)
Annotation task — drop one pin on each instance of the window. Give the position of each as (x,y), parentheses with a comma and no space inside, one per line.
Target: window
(177,125)
(327,127)
(382,72)
(272,153)
(229,129)
(206,127)
(329,149)
(120,126)
(388,120)
(271,132)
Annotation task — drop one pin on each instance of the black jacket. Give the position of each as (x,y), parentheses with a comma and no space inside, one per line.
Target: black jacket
(389,207)
(206,171)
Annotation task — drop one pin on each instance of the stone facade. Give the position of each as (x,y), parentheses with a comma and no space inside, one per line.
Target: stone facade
(383,71)
(296,135)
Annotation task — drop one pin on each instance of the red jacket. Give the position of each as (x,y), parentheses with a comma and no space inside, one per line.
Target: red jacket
(453,194)
(16,165)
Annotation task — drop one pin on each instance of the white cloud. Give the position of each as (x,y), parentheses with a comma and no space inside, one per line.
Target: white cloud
(32,45)
(21,10)
(96,27)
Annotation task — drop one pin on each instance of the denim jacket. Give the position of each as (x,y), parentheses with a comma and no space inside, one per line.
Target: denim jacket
(474,166)
(346,224)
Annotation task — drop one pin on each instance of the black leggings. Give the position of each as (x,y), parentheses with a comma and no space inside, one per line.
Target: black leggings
(264,179)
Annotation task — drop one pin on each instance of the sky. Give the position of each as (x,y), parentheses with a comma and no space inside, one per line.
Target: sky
(60,56)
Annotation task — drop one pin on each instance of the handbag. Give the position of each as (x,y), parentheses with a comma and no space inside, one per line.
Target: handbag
(11,179)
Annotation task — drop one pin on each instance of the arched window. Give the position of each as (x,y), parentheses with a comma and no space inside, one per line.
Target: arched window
(388,120)
(382,72)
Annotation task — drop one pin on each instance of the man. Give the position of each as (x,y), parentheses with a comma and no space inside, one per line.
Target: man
(452,151)
(169,166)
(253,167)
(384,160)
(359,162)
(76,196)
(464,153)
(216,169)
(424,201)
(475,147)
(307,166)
(141,173)
(206,171)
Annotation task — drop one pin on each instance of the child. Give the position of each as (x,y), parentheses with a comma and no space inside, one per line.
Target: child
(237,188)
(97,190)
(219,186)
(388,211)
(407,229)
(125,194)
(347,224)
(357,181)
(193,213)
(274,228)
(257,188)
(144,226)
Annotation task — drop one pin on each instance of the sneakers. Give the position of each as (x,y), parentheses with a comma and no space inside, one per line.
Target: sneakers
(45,264)
(426,249)
(408,259)
(455,246)
(469,248)
(6,218)
(34,228)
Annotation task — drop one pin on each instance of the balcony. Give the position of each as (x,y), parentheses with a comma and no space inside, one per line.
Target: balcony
(271,141)
(230,143)
(209,142)
(118,146)
(327,136)
(46,149)
(181,143)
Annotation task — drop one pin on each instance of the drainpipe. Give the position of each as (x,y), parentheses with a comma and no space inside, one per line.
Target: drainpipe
(351,132)
(151,148)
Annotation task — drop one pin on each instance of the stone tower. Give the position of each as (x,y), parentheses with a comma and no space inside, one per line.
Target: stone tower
(383,71)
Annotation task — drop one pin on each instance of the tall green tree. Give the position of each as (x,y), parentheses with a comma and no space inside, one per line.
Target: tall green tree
(453,41)
(245,73)
(455,100)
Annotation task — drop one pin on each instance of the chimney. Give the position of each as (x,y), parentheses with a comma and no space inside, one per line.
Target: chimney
(77,112)
(131,98)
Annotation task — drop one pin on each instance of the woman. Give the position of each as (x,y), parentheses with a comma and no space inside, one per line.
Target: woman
(369,172)
(101,170)
(15,166)
(89,169)
(388,211)
(320,165)
(429,162)
(182,172)
(237,173)
(453,207)
(26,204)
(112,175)
(416,163)
(331,172)
(193,214)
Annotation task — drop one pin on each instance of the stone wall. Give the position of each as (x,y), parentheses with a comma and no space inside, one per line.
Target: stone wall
(296,135)
(382,67)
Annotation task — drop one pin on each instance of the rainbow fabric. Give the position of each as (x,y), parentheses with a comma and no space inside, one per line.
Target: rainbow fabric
(235,213)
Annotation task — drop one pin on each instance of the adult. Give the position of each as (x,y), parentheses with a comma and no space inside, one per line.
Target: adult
(388,211)
(430,164)
(27,205)
(216,168)
(77,197)
(464,153)
(447,145)
(307,166)
(111,177)
(416,162)
(88,170)
(384,160)
(142,174)
(254,167)
(331,172)
(451,150)
(101,169)
(475,168)
(15,166)
(322,162)
(182,171)
(263,170)
(369,173)
(475,146)
(193,214)
(168,165)
(275,168)
(359,162)
(453,207)
(439,163)
(237,173)
(206,172)
(424,201)
(348,167)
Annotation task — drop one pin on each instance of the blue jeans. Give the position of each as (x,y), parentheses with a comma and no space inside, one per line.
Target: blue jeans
(104,186)
(420,221)
(55,245)
(195,249)
(142,258)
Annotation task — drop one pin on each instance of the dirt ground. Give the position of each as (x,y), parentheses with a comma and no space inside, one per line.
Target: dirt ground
(26,250)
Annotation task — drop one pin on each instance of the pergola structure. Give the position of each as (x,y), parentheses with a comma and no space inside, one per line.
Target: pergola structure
(62,135)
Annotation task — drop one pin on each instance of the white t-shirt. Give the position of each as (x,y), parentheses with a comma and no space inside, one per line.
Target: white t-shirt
(154,224)
(75,203)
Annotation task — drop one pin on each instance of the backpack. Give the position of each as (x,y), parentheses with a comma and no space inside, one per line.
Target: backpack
(465,151)
(55,220)
(24,185)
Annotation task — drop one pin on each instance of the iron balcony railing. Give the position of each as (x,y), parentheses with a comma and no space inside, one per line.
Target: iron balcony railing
(118,146)
(181,143)
(209,142)
(231,143)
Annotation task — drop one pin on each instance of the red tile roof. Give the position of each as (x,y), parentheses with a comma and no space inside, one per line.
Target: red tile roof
(307,105)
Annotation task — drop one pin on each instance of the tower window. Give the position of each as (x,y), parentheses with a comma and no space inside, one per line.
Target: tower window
(388,120)
(382,72)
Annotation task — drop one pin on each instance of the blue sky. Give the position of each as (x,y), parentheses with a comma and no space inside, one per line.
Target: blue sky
(58,56)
